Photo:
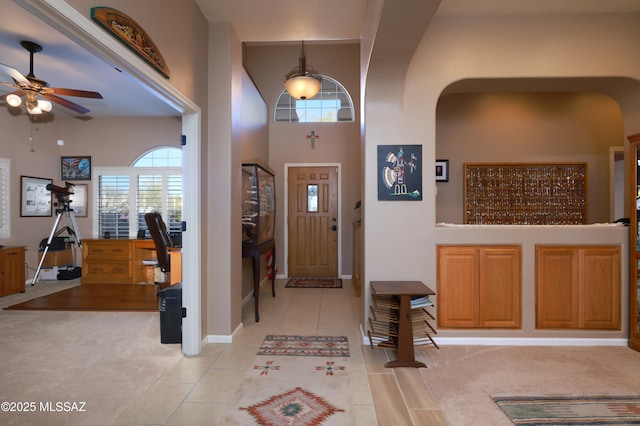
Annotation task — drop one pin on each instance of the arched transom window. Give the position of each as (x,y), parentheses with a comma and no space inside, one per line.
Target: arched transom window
(332,104)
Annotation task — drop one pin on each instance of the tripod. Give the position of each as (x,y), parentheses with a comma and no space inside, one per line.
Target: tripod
(63,209)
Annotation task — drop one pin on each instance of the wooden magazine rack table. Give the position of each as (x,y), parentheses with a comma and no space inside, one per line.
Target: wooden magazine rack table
(401,328)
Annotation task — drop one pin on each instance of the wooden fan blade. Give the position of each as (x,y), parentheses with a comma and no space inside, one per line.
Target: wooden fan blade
(15,74)
(12,85)
(65,103)
(71,92)
(18,92)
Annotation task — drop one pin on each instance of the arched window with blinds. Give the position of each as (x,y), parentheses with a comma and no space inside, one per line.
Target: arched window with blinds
(152,183)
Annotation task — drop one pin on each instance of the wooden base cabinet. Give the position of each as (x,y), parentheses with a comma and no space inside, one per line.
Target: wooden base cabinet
(578,287)
(479,286)
(12,275)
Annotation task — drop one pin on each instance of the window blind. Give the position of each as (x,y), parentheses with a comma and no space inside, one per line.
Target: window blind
(124,195)
(113,206)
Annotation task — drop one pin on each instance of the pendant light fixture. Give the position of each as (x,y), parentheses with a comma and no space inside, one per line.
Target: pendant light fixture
(300,84)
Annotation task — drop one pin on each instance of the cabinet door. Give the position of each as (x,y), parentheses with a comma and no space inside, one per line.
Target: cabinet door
(500,287)
(5,282)
(557,287)
(457,286)
(12,274)
(600,279)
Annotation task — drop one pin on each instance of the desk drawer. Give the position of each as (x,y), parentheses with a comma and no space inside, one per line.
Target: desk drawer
(111,249)
(107,271)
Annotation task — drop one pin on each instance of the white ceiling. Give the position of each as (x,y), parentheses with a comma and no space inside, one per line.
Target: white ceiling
(62,63)
(289,20)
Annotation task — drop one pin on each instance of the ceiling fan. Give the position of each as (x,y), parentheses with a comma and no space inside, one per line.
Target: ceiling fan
(32,87)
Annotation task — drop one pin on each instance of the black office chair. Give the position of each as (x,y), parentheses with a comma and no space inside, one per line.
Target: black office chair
(162,241)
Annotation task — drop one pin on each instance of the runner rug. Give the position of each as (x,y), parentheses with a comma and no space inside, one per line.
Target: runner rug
(305,345)
(295,388)
(586,410)
(314,283)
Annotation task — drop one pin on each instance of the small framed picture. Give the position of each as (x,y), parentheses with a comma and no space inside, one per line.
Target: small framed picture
(35,198)
(442,170)
(75,168)
(78,200)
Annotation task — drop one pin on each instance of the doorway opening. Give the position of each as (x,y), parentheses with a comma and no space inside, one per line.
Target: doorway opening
(64,18)
(616,167)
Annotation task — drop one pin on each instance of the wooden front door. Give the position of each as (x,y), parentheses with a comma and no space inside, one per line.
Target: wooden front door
(313,221)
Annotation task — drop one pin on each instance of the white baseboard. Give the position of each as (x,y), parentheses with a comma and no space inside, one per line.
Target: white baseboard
(222,338)
(515,341)
(529,341)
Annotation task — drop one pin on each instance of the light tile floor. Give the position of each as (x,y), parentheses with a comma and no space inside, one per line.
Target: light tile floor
(198,389)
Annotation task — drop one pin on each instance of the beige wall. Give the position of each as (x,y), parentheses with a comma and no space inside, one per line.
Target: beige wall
(575,48)
(223,163)
(178,29)
(526,127)
(255,148)
(338,142)
(109,142)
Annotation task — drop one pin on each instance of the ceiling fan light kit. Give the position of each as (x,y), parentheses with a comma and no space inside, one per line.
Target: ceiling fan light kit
(32,87)
(14,100)
(39,107)
(301,84)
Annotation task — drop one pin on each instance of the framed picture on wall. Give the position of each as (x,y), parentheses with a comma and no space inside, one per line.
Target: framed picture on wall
(35,198)
(399,172)
(442,170)
(75,168)
(79,200)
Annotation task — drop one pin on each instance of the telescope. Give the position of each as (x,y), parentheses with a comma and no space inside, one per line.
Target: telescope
(59,190)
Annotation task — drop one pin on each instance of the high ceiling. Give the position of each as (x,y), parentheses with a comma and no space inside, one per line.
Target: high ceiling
(62,63)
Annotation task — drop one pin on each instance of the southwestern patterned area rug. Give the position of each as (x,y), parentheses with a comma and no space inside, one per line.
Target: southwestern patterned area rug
(565,410)
(305,345)
(314,283)
(293,387)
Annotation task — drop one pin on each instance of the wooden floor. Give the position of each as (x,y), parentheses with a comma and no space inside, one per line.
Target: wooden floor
(96,297)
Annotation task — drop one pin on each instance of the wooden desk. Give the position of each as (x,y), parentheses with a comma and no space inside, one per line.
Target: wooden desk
(404,340)
(254,253)
(146,249)
(116,261)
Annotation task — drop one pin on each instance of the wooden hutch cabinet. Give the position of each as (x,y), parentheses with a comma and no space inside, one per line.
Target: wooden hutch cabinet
(258,222)
(479,286)
(634,242)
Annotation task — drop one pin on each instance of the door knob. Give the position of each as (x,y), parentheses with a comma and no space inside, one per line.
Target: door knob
(334,228)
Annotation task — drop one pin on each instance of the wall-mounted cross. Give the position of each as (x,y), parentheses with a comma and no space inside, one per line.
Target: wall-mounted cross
(313,138)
